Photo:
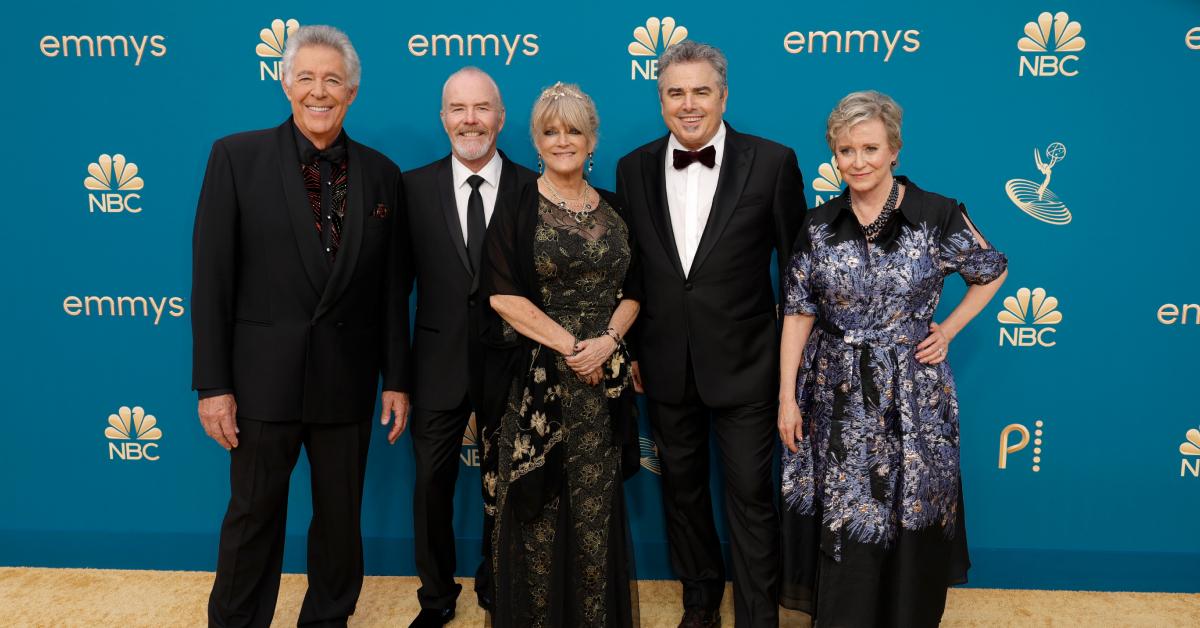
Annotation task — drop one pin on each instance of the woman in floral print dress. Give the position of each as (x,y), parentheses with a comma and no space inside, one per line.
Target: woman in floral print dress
(873,511)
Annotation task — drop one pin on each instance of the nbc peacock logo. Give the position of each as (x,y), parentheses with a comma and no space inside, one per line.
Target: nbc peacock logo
(1190,449)
(1035,197)
(649,455)
(645,46)
(271,44)
(470,444)
(1029,318)
(112,185)
(828,181)
(1050,44)
(131,435)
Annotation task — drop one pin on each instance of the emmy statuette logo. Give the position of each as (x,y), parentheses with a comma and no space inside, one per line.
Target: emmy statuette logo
(1190,449)
(1050,44)
(111,183)
(131,435)
(645,46)
(649,455)
(271,43)
(1007,446)
(1035,197)
(1028,319)
(470,444)
(828,181)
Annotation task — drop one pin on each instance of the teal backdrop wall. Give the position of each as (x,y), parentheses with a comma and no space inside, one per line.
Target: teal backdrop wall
(1080,424)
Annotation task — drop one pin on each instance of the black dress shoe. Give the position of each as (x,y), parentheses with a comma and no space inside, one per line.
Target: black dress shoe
(700,618)
(432,618)
(486,603)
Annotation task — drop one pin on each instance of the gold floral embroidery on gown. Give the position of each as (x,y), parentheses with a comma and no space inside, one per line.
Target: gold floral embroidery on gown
(580,266)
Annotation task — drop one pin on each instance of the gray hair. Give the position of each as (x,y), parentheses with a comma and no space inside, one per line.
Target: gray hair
(858,107)
(688,51)
(321,35)
(470,69)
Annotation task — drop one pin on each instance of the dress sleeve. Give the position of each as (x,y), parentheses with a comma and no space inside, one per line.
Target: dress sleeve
(966,252)
(501,266)
(798,295)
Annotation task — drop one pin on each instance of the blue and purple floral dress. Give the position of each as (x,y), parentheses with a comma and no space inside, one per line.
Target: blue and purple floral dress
(880,458)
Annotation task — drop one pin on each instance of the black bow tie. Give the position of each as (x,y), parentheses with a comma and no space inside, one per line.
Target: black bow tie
(707,157)
(334,154)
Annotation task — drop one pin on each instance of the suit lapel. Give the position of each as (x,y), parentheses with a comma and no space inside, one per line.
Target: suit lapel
(445,187)
(353,226)
(300,213)
(654,177)
(735,170)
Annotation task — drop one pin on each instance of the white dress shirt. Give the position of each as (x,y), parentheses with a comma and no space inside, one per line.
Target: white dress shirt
(690,196)
(488,189)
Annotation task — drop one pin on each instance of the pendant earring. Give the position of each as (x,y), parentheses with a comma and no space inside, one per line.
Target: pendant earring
(541,166)
(591,163)
(893,163)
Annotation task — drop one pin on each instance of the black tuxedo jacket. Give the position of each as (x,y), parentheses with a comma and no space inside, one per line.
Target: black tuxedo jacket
(294,336)
(447,359)
(723,314)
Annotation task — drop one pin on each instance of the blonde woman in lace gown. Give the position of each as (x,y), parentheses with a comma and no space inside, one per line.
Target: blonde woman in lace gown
(561,275)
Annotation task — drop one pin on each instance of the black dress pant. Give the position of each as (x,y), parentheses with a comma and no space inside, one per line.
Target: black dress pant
(437,437)
(747,439)
(250,557)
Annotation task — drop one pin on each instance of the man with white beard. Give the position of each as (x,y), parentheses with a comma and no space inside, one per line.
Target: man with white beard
(450,203)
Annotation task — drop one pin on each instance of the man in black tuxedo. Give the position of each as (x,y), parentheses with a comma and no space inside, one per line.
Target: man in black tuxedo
(298,305)
(450,203)
(709,206)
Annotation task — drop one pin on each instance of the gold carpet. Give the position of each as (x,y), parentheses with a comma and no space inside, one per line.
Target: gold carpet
(91,597)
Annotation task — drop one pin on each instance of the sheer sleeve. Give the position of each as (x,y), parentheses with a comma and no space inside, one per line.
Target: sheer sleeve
(798,295)
(966,252)
(631,288)
(501,262)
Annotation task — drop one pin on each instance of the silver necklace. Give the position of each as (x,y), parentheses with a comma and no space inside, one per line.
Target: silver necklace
(579,215)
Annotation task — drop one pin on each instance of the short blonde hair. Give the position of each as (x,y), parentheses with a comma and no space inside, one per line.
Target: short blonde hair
(566,103)
(859,107)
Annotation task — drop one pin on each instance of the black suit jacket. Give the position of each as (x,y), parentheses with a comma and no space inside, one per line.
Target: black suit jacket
(447,358)
(723,313)
(294,336)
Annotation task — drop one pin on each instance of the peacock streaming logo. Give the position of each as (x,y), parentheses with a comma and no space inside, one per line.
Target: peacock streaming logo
(828,181)
(649,41)
(132,435)
(1029,319)
(1050,44)
(271,44)
(1009,445)
(112,185)
(1035,197)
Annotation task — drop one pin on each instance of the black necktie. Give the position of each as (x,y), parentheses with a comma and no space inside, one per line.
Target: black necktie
(707,157)
(476,226)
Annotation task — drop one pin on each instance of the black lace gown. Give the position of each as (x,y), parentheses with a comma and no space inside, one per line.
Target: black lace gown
(566,562)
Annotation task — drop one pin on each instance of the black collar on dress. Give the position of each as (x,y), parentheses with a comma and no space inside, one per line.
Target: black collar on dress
(909,205)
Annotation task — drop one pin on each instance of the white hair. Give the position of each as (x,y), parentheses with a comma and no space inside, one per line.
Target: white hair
(321,35)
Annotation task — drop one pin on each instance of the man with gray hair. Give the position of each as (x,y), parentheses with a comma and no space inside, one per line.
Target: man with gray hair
(299,305)
(450,205)
(710,205)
